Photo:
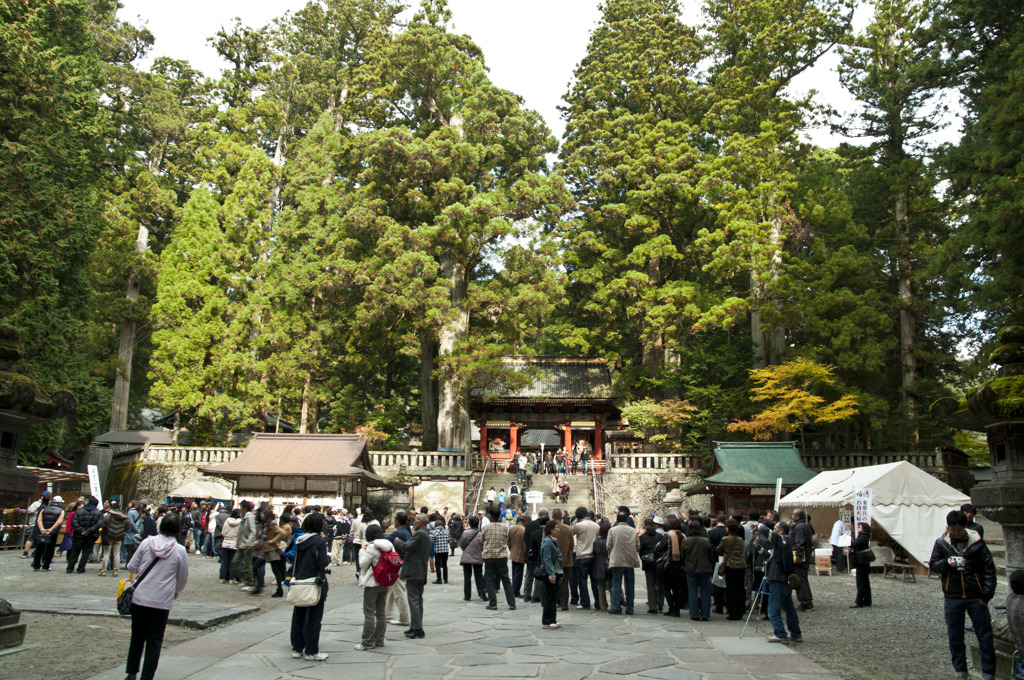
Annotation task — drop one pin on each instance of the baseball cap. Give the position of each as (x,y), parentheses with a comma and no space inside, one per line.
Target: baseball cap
(58,499)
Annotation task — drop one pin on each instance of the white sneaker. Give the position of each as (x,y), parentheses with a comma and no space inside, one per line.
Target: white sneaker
(553,626)
(315,657)
(296,655)
(361,647)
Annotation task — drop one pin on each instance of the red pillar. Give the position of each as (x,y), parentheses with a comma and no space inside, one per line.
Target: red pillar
(513,439)
(598,449)
(483,442)
(568,437)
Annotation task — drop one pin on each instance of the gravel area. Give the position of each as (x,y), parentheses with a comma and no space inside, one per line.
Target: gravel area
(901,636)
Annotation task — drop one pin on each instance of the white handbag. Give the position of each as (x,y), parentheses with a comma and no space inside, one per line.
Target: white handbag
(718,577)
(304,592)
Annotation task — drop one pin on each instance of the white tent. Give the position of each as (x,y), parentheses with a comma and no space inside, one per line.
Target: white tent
(202,489)
(907,502)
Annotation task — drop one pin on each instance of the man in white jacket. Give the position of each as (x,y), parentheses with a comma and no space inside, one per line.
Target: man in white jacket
(375,595)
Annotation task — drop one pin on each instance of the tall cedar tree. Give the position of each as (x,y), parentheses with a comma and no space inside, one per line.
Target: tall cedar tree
(53,133)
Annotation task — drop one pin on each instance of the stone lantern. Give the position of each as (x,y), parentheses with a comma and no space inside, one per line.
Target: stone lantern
(997,409)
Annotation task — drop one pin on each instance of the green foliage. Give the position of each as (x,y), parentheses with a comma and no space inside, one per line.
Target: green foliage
(660,422)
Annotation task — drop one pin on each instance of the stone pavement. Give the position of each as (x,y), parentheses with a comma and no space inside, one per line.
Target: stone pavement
(466,641)
(190,614)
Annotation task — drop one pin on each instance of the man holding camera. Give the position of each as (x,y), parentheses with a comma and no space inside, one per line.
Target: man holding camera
(968,575)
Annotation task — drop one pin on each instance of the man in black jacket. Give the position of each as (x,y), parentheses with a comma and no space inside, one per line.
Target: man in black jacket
(85,529)
(968,575)
(533,538)
(802,539)
(414,572)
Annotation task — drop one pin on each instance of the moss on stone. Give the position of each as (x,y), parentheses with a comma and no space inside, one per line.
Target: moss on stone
(1010,394)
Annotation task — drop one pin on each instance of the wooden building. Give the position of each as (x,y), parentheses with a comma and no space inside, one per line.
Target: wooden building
(744,475)
(569,400)
(325,469)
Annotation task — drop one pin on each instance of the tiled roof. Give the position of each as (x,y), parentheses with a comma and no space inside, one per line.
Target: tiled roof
(559,378)
(758,464)
(317,455)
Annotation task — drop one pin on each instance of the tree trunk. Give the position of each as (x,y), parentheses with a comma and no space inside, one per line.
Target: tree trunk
(768,341)
(127,342)
(428,392)
(304,418)
(453,426)
(908,321)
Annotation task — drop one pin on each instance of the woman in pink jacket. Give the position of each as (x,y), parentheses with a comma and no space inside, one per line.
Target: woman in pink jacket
(155,594)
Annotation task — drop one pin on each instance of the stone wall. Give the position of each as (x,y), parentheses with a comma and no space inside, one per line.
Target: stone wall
(153,481)
(642,490)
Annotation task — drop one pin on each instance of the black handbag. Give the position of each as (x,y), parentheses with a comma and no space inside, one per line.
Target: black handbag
(865,556)
(540,573)
(124,600)
(648,560)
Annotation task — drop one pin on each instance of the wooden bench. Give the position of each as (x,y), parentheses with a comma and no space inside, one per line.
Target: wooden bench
(902,569)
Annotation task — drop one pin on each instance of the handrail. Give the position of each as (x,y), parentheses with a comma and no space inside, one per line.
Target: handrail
(598,493)
(476,496)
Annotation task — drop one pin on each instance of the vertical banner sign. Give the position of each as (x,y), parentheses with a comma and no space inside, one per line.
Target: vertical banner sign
(862,506)
(94,482)
(778,493)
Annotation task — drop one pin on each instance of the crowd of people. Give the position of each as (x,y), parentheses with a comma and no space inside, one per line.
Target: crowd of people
(733,565)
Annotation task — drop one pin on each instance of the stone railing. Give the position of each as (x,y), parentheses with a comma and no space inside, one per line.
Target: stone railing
(929,461)
(623,462)
(170,455)
(418,460)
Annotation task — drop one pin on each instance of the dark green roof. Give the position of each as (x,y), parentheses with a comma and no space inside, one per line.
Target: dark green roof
(758,464)
(558,377)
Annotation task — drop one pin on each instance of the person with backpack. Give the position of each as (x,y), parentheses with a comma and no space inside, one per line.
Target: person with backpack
(378,565)
(778,567)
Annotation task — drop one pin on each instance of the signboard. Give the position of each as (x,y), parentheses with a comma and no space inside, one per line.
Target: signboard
(94,482)
(287,483)
(862,506)
(845,539)
(534,496)
(328,485)
(762,490)
(778,492)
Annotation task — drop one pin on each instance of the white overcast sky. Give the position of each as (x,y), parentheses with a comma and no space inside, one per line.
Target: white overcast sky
(531,46)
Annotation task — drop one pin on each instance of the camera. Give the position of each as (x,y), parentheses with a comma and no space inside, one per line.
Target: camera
(958,562)
(327,571)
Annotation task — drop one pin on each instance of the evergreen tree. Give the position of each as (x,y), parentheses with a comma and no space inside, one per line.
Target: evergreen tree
(53,131)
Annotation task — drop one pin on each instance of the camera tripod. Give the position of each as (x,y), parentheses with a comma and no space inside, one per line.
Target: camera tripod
(762,591)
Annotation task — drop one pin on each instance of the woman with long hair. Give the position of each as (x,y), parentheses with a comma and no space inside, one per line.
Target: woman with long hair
(731,550)
(162,564)
(268,549)
(862,542)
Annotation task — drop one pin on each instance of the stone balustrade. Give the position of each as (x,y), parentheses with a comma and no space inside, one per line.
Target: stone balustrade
(418,460)
(170,455)
(624,462)
(929,461)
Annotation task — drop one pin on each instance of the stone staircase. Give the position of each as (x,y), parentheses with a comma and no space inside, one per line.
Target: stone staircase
(581,490)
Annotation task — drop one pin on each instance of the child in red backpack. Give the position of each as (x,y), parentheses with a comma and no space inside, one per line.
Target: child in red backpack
(377,572)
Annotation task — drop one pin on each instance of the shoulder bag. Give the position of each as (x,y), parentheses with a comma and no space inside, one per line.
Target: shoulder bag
(127,590)
(304,592)
(866,556)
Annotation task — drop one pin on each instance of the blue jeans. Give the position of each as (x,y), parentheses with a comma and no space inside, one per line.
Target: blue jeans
(780,598)
(618,573)
(698,587)
(955,608)
(197,539)
(584,567)
(208,544)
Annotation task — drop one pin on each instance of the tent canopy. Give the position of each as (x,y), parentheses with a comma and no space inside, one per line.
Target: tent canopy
(907,502)
(202,489)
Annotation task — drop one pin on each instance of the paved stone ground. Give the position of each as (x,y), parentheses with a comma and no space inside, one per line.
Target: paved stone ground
(466,641)
(191,614)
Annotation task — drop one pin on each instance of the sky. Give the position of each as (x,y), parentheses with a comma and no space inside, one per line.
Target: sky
(530,46)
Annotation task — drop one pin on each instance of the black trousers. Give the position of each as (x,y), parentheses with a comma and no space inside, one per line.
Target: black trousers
(441,566)
(734,592)
(81,550)
(549,613)
(42,553)
(863,585)
(517,578)
(471,573)
(148,625)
